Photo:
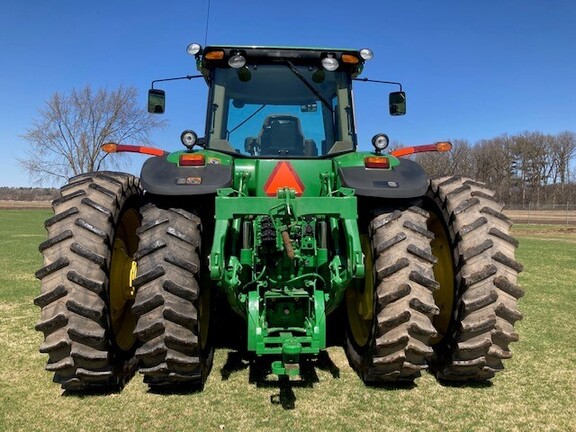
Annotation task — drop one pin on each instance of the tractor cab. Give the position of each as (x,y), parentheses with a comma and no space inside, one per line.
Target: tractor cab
(274,102)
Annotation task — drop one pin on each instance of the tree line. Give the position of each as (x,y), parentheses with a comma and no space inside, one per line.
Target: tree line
(28,194)
(526,169)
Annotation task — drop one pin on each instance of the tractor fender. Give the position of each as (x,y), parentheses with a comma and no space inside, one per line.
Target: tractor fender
(161,177)
(406,180)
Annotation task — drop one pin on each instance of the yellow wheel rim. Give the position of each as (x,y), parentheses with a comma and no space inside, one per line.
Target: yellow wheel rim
(360,305)
(122,274)
(444,274)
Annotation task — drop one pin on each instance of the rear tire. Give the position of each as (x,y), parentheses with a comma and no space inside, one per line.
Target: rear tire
(390,322)
(172,306)
(485,276)
(86,294)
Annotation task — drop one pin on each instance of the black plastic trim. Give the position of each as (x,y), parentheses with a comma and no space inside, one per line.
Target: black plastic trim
(407,180)
(160,177)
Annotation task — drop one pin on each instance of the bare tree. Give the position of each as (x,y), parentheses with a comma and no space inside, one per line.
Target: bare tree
(67,137)
(563,150)
(533,159)
(457,161)
(495,165)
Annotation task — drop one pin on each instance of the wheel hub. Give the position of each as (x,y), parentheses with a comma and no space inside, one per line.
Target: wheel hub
(122,274)
(360,302)
(444,274)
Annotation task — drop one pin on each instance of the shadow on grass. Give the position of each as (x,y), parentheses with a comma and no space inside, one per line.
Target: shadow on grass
(159,390)
(174,389)
(179,390)
(259,371)
(465,384)
(235,362)
(92,392)
(392,386)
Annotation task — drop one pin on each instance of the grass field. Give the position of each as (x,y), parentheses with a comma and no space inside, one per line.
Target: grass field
(536,392)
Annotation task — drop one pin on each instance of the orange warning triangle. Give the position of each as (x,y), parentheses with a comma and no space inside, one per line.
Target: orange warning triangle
(283,176)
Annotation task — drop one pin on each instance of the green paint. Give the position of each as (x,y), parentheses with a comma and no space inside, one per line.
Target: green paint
(270,256)
(286,243)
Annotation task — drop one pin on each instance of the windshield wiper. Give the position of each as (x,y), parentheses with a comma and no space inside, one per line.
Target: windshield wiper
(228,132)
(310,86)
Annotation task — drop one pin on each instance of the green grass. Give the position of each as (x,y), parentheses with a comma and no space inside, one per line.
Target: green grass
(535,392)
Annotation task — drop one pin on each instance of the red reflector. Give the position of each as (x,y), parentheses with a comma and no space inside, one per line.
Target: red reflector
(194,159)
(381,162)
(283,176)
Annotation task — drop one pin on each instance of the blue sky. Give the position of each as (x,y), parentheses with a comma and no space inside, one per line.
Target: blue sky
(471,70)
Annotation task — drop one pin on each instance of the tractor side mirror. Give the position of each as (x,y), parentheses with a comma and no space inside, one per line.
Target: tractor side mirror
(397,103)
(156,101)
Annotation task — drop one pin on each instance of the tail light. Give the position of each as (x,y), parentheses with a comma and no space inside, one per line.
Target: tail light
(380,162)
(191,160)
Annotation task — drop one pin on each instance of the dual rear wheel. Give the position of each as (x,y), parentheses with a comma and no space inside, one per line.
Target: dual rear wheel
(440,289)
(120,289)
(86,280)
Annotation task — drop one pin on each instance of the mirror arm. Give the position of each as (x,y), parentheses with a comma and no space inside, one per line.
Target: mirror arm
(188,77)
(380,82)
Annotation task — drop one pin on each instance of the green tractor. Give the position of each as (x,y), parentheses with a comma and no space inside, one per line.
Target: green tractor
(274,215)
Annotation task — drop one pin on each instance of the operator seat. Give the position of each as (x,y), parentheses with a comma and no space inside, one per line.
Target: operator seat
(281,135)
